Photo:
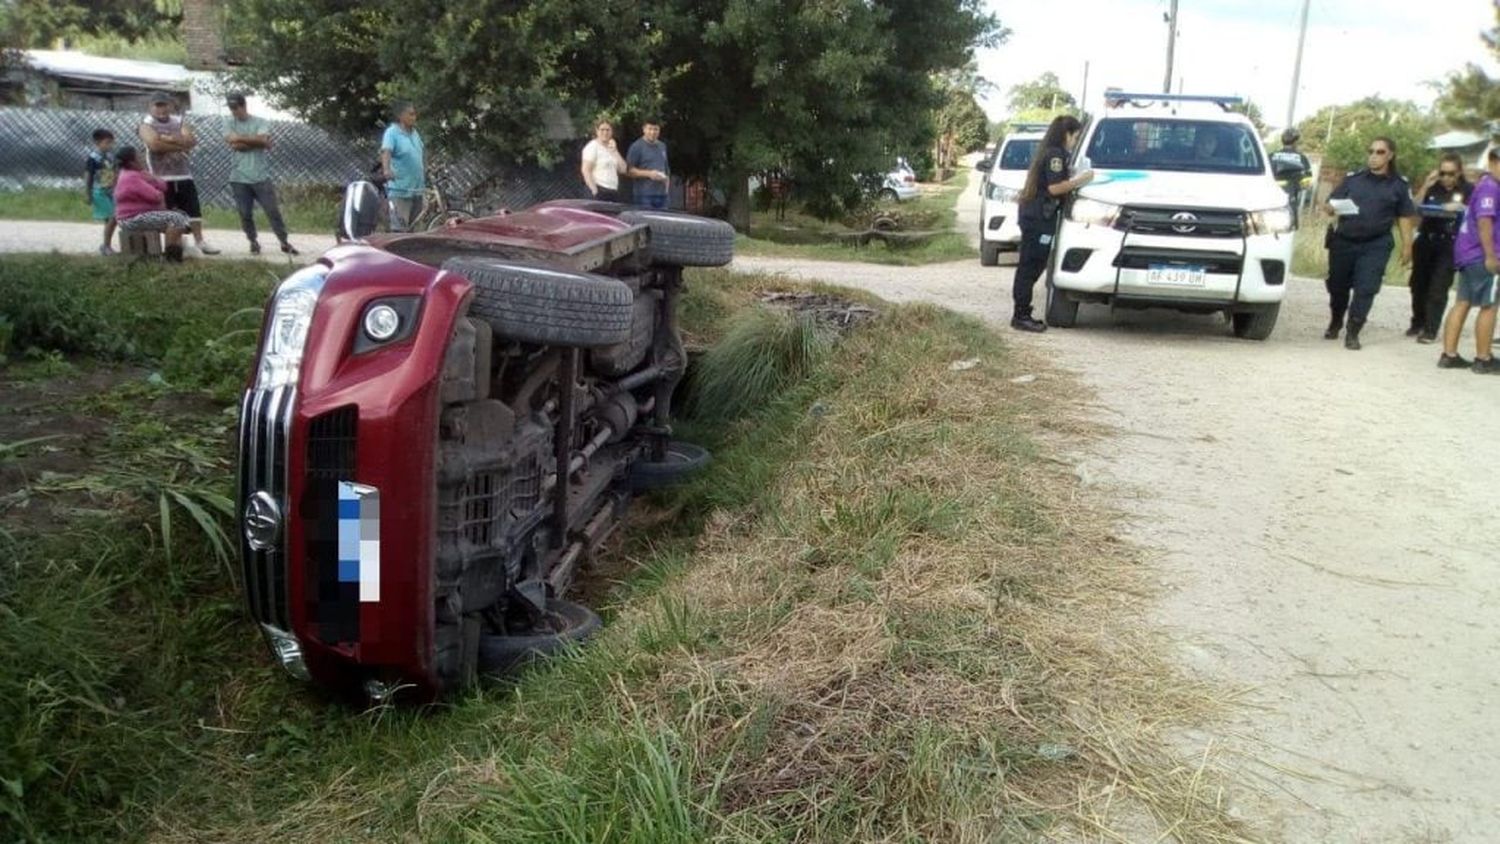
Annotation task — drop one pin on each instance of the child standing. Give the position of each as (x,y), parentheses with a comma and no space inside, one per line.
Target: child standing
(100,185)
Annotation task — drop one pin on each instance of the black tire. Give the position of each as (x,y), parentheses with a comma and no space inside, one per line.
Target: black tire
(571,625)
(989,254)
(1062,312)
(888,195)
(447,218)
(619,359)
(682,460)
(551,307)
(1256,325)
(683,240)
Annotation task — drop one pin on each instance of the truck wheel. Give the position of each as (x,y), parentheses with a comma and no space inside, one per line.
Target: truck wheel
(1256,325)
(1062,312)
(682,460)
(989,254)
(551,307)
(567,624)
(620,358)
(682,240)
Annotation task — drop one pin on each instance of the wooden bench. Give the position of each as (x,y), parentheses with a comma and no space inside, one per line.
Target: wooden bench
(141,244)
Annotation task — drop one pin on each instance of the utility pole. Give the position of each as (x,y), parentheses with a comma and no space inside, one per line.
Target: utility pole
(1166,85)
(1084,100)
(1291,104)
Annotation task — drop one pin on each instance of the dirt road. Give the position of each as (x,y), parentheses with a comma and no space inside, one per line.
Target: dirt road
(1327,532)
(1327,535)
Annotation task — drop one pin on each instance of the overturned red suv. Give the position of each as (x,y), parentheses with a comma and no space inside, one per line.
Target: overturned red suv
(443,427)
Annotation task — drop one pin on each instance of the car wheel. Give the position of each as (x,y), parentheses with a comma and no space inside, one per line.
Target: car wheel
(1062,312)
(888,195)
(989,254)
(566,625)
(619,359)
(1256,325)
(682,459)
(683,240)
(551,307)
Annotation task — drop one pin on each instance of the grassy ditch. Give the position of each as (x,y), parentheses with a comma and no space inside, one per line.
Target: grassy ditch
(884,613)
(1310,259)
(308,210)
(798,235)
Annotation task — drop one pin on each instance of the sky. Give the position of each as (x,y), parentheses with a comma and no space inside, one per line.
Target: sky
(1355,48)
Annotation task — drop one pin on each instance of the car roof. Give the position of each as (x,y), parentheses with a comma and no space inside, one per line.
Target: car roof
(1202,111)
(1025,135)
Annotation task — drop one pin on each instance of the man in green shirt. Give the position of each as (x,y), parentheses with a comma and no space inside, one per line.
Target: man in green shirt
(249,139)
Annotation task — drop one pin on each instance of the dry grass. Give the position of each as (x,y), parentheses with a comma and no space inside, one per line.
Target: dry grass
(917,626)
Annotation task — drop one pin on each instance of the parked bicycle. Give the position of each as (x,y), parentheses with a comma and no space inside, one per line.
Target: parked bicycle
(441,207)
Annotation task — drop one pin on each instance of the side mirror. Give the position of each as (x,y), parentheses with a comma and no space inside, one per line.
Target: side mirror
(362,211)
(985,164)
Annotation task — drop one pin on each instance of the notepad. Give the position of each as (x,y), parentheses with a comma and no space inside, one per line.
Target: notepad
(1343,207)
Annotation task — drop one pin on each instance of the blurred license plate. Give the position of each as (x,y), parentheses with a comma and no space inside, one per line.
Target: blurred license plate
(1175,276)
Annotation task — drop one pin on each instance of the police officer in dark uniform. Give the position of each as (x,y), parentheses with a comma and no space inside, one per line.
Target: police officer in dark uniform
(1289,154)
(1047,182)
(1444,196)
(1359,245)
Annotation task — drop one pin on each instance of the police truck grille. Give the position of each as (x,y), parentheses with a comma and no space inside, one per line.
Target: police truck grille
(1182,222)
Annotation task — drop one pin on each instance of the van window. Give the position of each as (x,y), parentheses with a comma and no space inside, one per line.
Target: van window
(1017,154)
(1143,143)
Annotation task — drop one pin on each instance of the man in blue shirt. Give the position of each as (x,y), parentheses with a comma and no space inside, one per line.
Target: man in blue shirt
(402,165)
(647,162)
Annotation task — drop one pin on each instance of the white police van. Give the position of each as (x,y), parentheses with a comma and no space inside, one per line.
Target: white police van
(1184,212)
(1005,175)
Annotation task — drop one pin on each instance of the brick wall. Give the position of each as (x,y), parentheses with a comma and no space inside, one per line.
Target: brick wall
(202,34)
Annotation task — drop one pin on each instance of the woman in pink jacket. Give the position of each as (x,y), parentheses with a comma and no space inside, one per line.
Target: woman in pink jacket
(140,203)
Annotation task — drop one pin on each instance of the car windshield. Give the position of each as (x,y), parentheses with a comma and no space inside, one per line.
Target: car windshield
(1017,154)
(1192,146)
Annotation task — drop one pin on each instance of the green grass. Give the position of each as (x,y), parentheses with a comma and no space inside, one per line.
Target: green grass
(881,614)
(306,210)
(802,236)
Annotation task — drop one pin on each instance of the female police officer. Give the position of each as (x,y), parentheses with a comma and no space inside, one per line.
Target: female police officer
(1360,244)
(1047,182)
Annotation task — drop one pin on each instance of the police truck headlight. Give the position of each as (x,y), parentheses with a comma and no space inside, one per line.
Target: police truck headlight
(286,331)
(1094,212)
(1271,221)
(999,193)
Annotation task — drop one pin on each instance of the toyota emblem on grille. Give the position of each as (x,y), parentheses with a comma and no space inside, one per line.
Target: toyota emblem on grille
(1183,222)
(262,521)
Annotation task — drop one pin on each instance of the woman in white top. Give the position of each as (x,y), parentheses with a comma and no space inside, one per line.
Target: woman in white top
(602,164)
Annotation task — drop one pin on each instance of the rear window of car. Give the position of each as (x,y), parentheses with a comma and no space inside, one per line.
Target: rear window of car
(1016,155)
(1193,146)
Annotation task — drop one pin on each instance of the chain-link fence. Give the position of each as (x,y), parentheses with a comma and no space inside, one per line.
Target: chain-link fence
(47,148)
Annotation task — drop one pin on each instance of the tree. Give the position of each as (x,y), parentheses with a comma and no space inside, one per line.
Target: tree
(961,124)
(1341,134)
(41,23)
(1470,98)
(1252,111)
(1045,94)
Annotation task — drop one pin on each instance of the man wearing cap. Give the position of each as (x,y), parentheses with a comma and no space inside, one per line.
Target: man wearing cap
(169,142)
(249,140)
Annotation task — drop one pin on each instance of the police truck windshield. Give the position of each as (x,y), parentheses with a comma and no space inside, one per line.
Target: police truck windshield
(1190,146)
(1017,154)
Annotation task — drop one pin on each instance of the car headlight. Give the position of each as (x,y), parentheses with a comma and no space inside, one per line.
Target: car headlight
(1094,212)
(1271,221)
(286,331)
(1001,193)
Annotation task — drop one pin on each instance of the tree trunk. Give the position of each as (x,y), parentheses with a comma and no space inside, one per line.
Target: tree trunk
(739,202)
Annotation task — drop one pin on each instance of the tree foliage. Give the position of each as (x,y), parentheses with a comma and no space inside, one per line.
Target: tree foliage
(1470,98)
(1341,134)
(961,124)
(1252,111)
(1042,95)
(822,90)
(41,23)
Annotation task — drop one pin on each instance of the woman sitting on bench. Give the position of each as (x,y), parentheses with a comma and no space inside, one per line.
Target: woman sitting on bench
(141,206)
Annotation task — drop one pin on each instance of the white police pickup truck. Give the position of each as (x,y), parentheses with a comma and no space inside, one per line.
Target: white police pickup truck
(1184,212)
(1004,176)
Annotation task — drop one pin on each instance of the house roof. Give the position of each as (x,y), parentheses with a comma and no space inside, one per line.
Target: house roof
(127,73)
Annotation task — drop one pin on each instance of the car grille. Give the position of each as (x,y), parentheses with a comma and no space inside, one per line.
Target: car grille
(1174,222)
(265,421)
(332,444)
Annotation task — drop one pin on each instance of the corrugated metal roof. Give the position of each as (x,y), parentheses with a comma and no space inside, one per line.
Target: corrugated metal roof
(82,66)
(1456,140)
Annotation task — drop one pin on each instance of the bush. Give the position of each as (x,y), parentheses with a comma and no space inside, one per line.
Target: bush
(763,351)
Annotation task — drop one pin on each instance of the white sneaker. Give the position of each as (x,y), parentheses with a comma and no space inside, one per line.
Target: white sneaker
(207,249)
(191,250)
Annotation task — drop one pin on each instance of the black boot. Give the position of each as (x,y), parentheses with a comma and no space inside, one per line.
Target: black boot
(1334,325)
(173,253)
(1351,337)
